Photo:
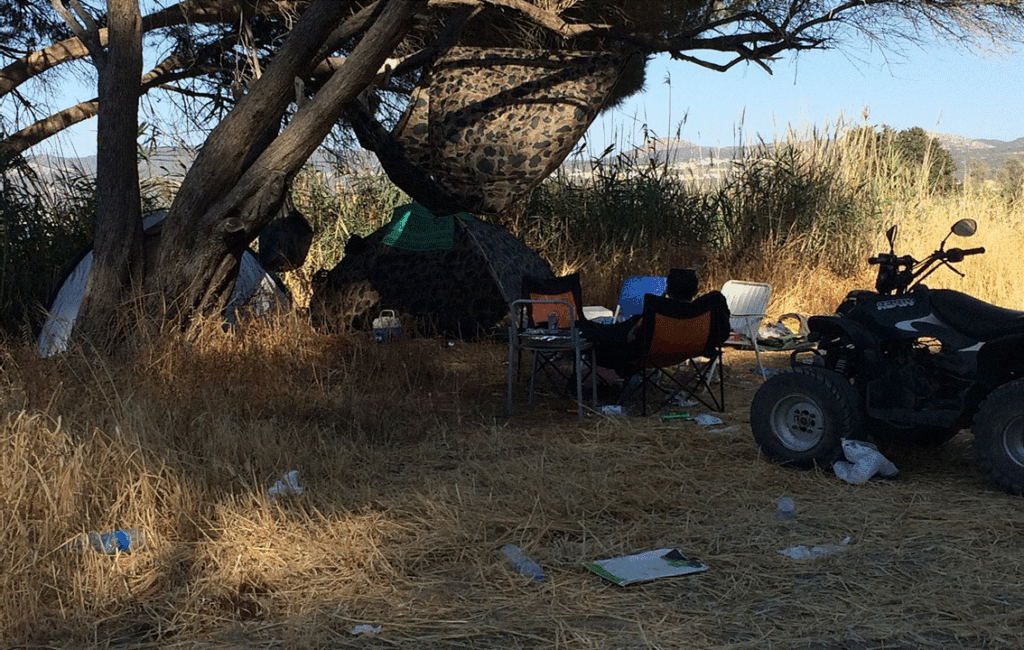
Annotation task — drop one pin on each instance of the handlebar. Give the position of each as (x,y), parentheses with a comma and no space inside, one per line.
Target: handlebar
(957,254)
(888,258)
(900,274)
(973,251)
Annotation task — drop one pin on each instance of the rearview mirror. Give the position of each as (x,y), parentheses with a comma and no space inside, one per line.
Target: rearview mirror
(890,235)
(965,227)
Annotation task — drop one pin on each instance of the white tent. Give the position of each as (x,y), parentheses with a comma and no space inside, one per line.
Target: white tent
(256,289)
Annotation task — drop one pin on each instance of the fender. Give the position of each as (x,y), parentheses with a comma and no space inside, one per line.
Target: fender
(1001,360)
(825,328)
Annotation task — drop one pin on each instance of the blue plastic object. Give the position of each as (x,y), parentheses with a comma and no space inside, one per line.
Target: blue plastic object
(116,541)
(631,298)
(523,563)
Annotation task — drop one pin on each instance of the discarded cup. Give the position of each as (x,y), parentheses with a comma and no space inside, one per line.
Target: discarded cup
(787,508)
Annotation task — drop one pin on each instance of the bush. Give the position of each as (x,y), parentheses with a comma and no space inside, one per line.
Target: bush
(44,225)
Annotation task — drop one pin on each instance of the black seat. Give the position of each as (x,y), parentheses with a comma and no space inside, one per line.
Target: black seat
(975,318)
(681,348)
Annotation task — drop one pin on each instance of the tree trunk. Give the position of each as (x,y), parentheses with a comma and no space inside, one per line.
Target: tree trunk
(221,206)
(117,242)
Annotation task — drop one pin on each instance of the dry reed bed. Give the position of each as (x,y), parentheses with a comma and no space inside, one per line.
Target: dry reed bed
(416,477)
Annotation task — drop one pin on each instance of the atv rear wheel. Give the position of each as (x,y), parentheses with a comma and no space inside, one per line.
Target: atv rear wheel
(800,417)
(999,436)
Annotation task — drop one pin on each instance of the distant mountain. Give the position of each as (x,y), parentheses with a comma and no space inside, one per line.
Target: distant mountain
(678,150)
(172,163)
(970,153)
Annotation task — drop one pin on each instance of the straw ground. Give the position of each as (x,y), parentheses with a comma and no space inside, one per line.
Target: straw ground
(415,476)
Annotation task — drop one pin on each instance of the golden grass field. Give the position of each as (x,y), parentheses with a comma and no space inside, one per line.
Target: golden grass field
(415,476)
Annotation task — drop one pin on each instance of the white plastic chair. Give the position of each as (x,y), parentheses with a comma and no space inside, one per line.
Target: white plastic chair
(748,306)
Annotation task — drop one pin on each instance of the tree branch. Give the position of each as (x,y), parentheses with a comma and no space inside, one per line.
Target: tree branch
(88,34)
(169,70)
(254,195)
(20,71)
(546,19)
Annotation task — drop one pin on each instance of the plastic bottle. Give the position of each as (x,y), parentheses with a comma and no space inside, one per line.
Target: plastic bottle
(803,552)
(523,563)
(787,508)
(125,540)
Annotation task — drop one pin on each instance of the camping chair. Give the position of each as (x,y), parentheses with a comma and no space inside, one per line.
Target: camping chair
(681,348)
(631,297)
(748,306)
(546,323)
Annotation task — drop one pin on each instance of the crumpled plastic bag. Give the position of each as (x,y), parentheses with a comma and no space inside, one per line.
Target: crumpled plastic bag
(863,460)
(774,330)
(288,485)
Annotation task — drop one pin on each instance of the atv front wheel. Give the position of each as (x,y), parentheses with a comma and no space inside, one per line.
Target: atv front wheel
(800,417)
(999,436)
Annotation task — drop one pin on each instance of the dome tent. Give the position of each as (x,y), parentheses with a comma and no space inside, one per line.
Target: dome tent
(451,274)
(256,290)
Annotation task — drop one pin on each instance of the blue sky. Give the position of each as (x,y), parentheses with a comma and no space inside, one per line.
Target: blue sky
(939,88)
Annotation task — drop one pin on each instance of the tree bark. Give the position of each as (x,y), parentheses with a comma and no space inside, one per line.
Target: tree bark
(118,238)
(221,207)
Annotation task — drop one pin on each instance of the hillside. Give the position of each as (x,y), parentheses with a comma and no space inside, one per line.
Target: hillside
(968,153)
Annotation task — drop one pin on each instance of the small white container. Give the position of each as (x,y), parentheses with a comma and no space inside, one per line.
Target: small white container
(387,327)
(787,508)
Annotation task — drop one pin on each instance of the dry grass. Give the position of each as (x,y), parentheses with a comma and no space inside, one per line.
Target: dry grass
(416,477)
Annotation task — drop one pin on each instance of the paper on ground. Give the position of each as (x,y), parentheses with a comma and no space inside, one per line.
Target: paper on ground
(649,565)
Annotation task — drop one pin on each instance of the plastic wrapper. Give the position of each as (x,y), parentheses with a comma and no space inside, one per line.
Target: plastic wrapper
(863,460)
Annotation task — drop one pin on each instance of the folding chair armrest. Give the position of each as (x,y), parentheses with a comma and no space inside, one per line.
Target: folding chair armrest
(523,302)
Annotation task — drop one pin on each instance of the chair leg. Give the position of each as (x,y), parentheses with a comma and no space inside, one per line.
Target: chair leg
(695,386)
(533,376)
(645,379)
(593,377)
(511,376)
(757,355)
(705,378)
(579,383)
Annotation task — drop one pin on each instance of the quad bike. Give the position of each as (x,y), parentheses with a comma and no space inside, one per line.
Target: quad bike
(903,364)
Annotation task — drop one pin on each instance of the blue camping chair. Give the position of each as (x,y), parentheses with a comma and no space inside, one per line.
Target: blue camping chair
(631,298)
